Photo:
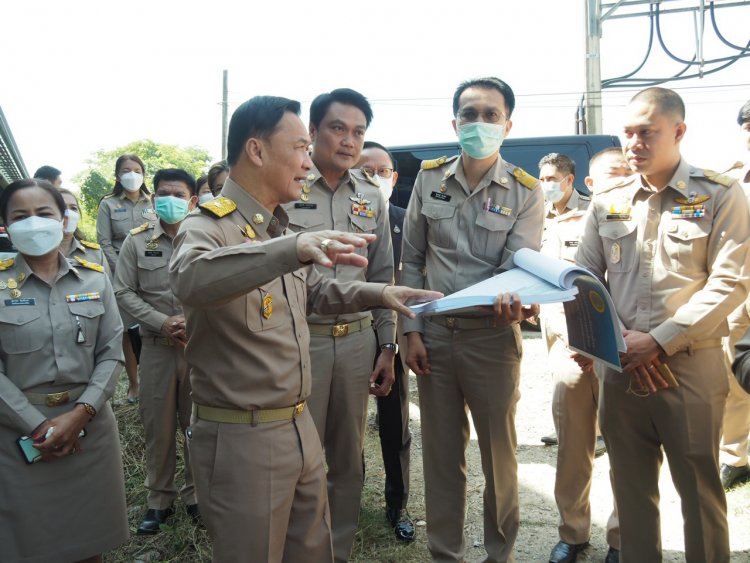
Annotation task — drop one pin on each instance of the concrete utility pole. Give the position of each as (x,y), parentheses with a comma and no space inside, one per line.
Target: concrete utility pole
(593,103)
(224,115)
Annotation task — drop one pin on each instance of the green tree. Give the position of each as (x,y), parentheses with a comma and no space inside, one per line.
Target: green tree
(99,178)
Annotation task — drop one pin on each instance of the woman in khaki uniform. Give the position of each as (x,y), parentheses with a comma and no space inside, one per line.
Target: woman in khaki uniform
(59,360)
(127,207)
(73,244)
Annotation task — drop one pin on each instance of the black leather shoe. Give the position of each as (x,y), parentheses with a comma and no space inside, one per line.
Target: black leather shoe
(550,440)
(194,512)
(154,518)
(613,556)
(601,448)
(731,476)
(566,552)
(403,527)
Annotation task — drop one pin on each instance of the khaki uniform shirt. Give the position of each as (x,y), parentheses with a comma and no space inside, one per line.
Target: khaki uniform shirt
(91,252)
(141,282)
(675,278)
(562,234)
(246,299)
(40,341)
(329,207)
(451,242)
(117,217)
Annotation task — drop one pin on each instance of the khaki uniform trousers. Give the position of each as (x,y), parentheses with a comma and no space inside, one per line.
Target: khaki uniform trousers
(736,428)
(575,397)
(478,369)
(262,490)
(686,422)
(341,369)
(164,403)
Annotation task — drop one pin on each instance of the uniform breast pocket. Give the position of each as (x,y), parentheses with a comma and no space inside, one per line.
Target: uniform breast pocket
(153,274)
(684,246)
(86,316)
(489,236)
(619,241)
(19,328)
(300,222)
(440,219)
(265,307)
(120,224)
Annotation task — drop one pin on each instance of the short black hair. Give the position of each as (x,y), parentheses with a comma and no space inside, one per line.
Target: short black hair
(175,175)
(346,96)
(374,145)
(668,101)
(19,185)
(744,115)
(617,151)
(257,117)
(214,172)
(562,162)
(200,182)
(46,172)
(490,82)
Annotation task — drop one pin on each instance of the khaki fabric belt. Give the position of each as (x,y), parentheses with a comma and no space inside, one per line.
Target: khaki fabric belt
(235,416)
(56,399)
(463,323)
(702,344)
(341,329)
(159,341)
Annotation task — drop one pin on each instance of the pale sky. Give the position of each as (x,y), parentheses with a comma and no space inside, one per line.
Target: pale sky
(87,75)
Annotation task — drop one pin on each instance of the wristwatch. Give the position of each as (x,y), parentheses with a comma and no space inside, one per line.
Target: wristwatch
(89,409)
(389,346)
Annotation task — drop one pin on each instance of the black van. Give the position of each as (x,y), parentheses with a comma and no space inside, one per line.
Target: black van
(525,153)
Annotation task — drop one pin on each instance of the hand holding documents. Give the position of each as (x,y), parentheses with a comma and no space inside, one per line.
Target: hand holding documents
(593,326)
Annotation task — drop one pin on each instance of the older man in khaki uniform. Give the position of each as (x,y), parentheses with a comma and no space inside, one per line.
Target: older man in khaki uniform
(245,288)
(672,241)
(143,291)
(343,347)
(575,390)
(736,427)
(466,217)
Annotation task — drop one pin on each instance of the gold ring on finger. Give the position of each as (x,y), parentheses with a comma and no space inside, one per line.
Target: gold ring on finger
(324,244)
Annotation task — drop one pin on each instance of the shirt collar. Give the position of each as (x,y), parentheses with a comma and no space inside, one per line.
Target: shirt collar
(257,216)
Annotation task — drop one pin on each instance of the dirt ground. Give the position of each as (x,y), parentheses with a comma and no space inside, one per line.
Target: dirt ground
(539,517)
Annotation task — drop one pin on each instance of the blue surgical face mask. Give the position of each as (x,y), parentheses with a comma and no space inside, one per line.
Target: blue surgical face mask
(553,191)
(480,140)
(171,209)
(205,198)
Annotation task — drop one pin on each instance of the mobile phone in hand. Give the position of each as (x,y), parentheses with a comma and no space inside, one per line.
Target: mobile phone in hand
(29,453)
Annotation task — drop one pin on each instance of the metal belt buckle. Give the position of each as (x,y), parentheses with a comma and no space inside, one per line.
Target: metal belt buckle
(450,321)
(299,408)
(56,399)
(341,329)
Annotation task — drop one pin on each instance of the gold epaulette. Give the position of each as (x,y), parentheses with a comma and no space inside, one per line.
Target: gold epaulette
(7,263)
(617,182)
(144,227)
(93,245)
(90,265)
(717,178)
(527,180)
(434,163)
(369,178)
(219,207)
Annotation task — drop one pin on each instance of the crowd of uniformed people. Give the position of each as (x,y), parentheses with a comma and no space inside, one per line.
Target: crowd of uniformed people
(254,311)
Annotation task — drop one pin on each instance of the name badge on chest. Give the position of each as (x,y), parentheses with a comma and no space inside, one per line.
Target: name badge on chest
(441,196)
(305,205)
(153,253)
(17,302)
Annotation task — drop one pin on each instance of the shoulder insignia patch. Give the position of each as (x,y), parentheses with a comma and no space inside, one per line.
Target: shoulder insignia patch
(369,178)
(90,265)
(135,231)
(88,244)
(717,178)
(615,183)
(7,263)
(527,180)
(219,207)
(434,163)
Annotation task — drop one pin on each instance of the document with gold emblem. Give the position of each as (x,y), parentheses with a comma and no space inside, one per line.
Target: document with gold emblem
(593,326)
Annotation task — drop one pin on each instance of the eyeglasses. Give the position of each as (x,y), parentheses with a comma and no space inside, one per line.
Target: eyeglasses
(380,172)
(469,115)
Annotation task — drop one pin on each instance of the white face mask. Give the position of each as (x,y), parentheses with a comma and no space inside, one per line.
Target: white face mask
(205,198)
(131,181)
(386,187)
(36,236)
(553,191)
(73,219)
